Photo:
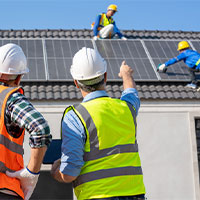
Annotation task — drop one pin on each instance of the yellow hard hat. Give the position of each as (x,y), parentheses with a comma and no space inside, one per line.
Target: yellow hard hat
(183,45)
(112,7)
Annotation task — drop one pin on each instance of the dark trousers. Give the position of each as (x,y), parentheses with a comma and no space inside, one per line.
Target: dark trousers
(7,196)
(192,74)
(135,197)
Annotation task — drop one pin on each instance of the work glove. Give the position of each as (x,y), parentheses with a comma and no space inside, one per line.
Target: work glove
(123,38)
(95,38)
(28,180)
(162,68)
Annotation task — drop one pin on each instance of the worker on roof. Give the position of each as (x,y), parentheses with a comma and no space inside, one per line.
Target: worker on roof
(104,25)
(18,114)
(190,57)
(99,145)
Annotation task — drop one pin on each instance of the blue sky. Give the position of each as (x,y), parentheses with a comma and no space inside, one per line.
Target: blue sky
(79,14)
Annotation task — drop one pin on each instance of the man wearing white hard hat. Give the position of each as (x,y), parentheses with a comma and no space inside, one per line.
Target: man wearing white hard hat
(17,115)
(105,26)
(99,146)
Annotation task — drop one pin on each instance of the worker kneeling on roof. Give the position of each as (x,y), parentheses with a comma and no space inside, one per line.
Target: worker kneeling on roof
(99,145)
(190,57)
(104,25)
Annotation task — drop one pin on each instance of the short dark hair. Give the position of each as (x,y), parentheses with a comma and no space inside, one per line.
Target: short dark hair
(91,88)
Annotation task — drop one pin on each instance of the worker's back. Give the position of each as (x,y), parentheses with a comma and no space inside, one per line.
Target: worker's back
(190,57)
(112,162)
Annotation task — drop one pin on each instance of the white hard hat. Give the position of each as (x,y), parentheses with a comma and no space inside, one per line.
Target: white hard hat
(87,64)
(12,60)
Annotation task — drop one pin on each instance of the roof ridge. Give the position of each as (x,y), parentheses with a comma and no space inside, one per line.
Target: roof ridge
(88,34)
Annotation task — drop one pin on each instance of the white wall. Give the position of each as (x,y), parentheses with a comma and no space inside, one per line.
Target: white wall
(167,146)
(166,140)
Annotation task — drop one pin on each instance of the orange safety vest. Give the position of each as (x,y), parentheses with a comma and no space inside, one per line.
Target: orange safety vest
(11,148)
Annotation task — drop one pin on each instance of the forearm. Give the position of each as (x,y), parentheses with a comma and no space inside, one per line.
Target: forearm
(58,175)
(37,155)
(116,30)
(128,82)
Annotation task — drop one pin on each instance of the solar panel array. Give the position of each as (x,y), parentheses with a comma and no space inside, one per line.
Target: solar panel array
(51,59)
(132,52)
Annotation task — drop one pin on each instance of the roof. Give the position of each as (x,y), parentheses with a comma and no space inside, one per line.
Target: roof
(67,91)
(147,91)
(88,34)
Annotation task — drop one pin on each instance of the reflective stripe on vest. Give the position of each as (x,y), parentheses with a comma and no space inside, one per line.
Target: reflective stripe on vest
(12,146)
(3,168)
(3,95)
(106,173)
(197,63)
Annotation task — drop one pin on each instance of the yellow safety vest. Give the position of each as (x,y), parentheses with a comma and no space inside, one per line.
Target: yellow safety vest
(112,165)
(104,21)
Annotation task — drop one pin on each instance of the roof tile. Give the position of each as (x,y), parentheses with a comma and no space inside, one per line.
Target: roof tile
(146,90)
(56,91)
(87,33)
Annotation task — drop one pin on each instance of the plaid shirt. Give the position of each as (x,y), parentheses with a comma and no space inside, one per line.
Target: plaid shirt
(20,113)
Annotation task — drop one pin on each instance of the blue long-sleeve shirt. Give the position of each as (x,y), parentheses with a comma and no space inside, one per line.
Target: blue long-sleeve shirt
(189,56)
(74,136)
(96,25)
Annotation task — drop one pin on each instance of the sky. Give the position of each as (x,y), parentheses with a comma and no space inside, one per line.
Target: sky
(172,15)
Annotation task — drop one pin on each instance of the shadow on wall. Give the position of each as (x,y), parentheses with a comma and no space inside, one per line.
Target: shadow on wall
(48,188)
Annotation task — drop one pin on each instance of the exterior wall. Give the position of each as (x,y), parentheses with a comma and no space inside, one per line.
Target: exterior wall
(166,135)
(167,146)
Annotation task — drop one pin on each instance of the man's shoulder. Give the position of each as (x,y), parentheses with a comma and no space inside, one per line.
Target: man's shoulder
(16,96)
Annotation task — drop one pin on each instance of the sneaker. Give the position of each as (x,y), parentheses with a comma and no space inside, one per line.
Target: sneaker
(191,85)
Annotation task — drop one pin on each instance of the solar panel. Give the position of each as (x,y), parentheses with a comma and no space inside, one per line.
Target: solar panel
(33,49)
(133,52)
(59,54)
(196,45)
(161,51)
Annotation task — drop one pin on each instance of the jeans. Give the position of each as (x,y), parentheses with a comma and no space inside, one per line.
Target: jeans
(136,197)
